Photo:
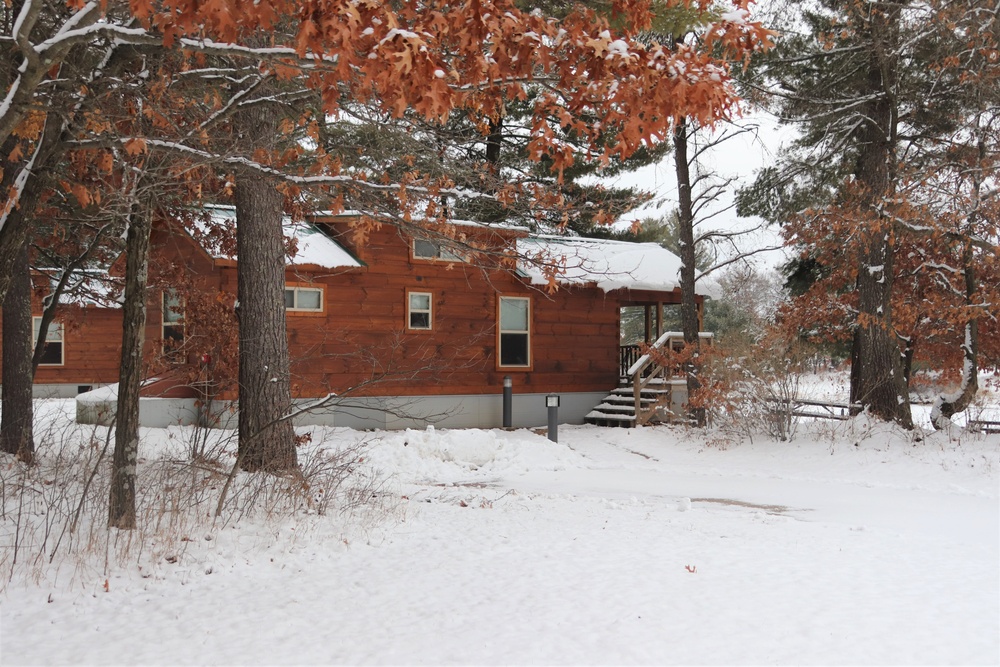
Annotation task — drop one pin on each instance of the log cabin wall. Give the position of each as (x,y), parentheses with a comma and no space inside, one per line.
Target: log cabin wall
(361,339)
(364,341)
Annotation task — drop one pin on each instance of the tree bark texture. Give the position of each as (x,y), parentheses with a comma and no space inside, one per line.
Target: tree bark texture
(685,235)
(878,383)
(122,506)
(16,435)
(948,405)
(266,440)
(15,228)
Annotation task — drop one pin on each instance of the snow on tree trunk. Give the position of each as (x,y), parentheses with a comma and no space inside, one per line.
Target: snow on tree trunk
(878,381)
(22,186)
(16,434)
(947,405)
(121,508)
(266,440)
(685,232)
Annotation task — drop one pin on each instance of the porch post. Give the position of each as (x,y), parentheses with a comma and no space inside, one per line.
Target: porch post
(648,322)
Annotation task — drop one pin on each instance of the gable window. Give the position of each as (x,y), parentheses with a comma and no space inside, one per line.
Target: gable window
(514,332)
(52,353)
(173,321)
(424,249)
(419,309)
(303,299)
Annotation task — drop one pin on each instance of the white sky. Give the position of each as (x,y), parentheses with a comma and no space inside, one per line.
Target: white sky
(740,157)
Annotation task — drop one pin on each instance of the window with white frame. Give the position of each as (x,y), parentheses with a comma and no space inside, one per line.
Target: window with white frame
(420,310)
(173,321)
(424,249)
(514,336)
(303,299)
(52,353)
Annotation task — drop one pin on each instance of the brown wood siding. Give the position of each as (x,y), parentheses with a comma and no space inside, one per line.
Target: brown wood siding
(364,338)
(360,340)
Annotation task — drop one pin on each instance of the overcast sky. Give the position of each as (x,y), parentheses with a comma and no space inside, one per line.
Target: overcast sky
(740,157)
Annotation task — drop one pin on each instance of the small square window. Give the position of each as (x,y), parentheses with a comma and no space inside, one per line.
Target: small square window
(307,299)
(424,249)
(52,353)
(419,310)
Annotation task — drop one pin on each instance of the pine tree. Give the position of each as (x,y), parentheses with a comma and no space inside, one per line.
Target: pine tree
(878,89)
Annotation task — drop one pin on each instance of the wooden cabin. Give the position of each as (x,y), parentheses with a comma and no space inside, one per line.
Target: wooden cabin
(404,330)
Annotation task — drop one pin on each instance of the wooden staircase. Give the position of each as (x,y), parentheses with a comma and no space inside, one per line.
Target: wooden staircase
(650,393)
(618,407)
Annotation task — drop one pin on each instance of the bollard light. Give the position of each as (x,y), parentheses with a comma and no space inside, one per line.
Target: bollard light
(552,403)
(508,401)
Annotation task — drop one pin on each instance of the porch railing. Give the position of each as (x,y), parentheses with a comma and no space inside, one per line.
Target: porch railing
(627,355)
(645,373)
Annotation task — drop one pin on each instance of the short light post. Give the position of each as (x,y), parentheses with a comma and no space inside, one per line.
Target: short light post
(552,403)
(508,401)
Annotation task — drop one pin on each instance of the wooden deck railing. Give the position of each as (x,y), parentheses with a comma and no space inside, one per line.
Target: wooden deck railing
(627,355)
(644,372)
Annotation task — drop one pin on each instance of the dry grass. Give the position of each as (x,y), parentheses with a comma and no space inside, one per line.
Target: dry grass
(53,515)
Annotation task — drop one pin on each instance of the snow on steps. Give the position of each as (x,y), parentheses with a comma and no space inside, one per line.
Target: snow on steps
(618,407)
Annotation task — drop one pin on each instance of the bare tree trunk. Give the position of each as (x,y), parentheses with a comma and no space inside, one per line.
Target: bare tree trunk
(948,405)
(945,406)
(878,382)
(121,509)
(16,435)
(266,441)
(685,233)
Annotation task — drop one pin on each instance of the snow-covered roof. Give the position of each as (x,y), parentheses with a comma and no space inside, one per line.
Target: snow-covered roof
(313,246)
(609,265)
(418,219)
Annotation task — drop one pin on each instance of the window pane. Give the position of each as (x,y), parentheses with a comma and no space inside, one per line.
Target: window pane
(51,354)
(173,307)
(289,298)
(309,299)
(425,249)
(513,314)
(451,256)
(513,349)
(420,320)
(420,301)
(54,333)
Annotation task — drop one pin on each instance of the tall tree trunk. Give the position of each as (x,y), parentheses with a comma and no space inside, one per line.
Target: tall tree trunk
(878,382)
(947,405)
(121,509)
(266,440)
(22,183)
(685,236)
(16,435)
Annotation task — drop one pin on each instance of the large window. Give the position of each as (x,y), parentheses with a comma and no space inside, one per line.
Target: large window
(423,249)
(52,353)
(173,321)
(514,337)
(303,299)
(420,311)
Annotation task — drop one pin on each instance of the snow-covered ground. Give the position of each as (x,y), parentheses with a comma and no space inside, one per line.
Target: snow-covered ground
(852,544)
